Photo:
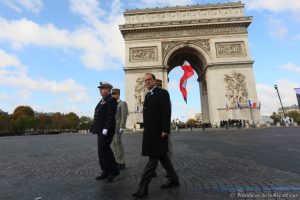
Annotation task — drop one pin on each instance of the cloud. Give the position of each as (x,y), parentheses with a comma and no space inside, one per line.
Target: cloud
(52,108)
(270,5)
(14,74)
(62,107)
(4,97)
(183,111)
(99,41)
(33,34)
(8,60)
(173,85)
(273,5)
(23,94)
(290,67)
(277,28)
(104,24)
(296,37)
(269,98)
(34,6)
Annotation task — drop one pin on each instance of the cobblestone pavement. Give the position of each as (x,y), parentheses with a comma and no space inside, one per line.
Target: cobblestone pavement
(250,164)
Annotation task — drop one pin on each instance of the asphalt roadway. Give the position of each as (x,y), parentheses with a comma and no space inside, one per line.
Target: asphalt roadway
(250,164)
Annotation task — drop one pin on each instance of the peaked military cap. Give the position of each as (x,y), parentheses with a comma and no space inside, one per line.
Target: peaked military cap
(105,85)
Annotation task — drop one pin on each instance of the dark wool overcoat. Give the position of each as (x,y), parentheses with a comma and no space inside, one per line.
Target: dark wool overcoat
(157,119)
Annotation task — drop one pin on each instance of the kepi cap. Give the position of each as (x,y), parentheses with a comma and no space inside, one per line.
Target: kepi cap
(115,91)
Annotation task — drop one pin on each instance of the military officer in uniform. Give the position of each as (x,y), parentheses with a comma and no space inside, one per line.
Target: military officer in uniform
(121,118)
(157,121)
(104,127)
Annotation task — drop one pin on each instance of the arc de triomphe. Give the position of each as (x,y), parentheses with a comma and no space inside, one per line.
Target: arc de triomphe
(212,37)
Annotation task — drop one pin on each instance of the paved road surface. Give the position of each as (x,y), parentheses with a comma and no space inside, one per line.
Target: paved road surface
(247,164)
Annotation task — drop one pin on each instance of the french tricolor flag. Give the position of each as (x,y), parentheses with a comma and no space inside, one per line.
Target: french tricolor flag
(239,105)
(252,104)
(249,103)
(188,73)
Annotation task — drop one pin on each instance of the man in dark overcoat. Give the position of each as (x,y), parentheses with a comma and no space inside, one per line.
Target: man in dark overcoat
(104,126)
(157,122)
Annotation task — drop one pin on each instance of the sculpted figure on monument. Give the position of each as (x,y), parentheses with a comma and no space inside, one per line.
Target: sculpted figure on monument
(236,88)
(139,94)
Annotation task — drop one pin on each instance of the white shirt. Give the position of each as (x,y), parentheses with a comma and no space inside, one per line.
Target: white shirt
(150,91)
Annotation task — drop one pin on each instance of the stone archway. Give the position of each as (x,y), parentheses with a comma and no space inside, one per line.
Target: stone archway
(197,57)
(212,37)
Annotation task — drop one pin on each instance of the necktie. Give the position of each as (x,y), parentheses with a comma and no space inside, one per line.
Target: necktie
(148,96)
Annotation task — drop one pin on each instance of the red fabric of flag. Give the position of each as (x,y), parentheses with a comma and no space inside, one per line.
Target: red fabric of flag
(188,72)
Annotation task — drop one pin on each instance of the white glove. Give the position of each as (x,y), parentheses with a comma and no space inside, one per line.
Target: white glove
(104,132)
(121,130)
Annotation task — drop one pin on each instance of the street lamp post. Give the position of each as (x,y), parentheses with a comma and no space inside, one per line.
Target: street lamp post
(276,88)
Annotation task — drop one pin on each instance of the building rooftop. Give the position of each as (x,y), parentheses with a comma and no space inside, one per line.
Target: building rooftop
(289,108)
(187,7)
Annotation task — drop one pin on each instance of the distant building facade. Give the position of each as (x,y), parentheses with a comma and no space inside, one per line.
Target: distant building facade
(198,117)
(288,109)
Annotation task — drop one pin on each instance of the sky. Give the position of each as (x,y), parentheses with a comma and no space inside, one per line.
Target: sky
(53,53)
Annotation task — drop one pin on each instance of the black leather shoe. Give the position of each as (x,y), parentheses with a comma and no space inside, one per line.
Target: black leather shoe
(142,192)
(102,176)
(111,177)
(122,166)
(170,184)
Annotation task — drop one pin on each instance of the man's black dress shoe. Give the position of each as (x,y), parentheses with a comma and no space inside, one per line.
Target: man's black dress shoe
(142,192)
(170,184)
(102,176)
(112,176)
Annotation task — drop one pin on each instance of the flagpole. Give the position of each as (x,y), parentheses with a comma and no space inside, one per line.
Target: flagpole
(227,113)
(276,88)
(297,90)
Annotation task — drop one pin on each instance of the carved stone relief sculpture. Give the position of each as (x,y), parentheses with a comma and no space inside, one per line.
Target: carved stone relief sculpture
(230,49)
(139,94)
(236,88)
(143,54)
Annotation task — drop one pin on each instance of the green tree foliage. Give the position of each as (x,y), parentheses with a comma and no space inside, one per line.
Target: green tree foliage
(57,121)
(85,123)
(44,122)
(292,114)
(276,117)
(191,122)
(23,110)
(71,121)
(4,122)
(23,123)
(295,115)
(23,120)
